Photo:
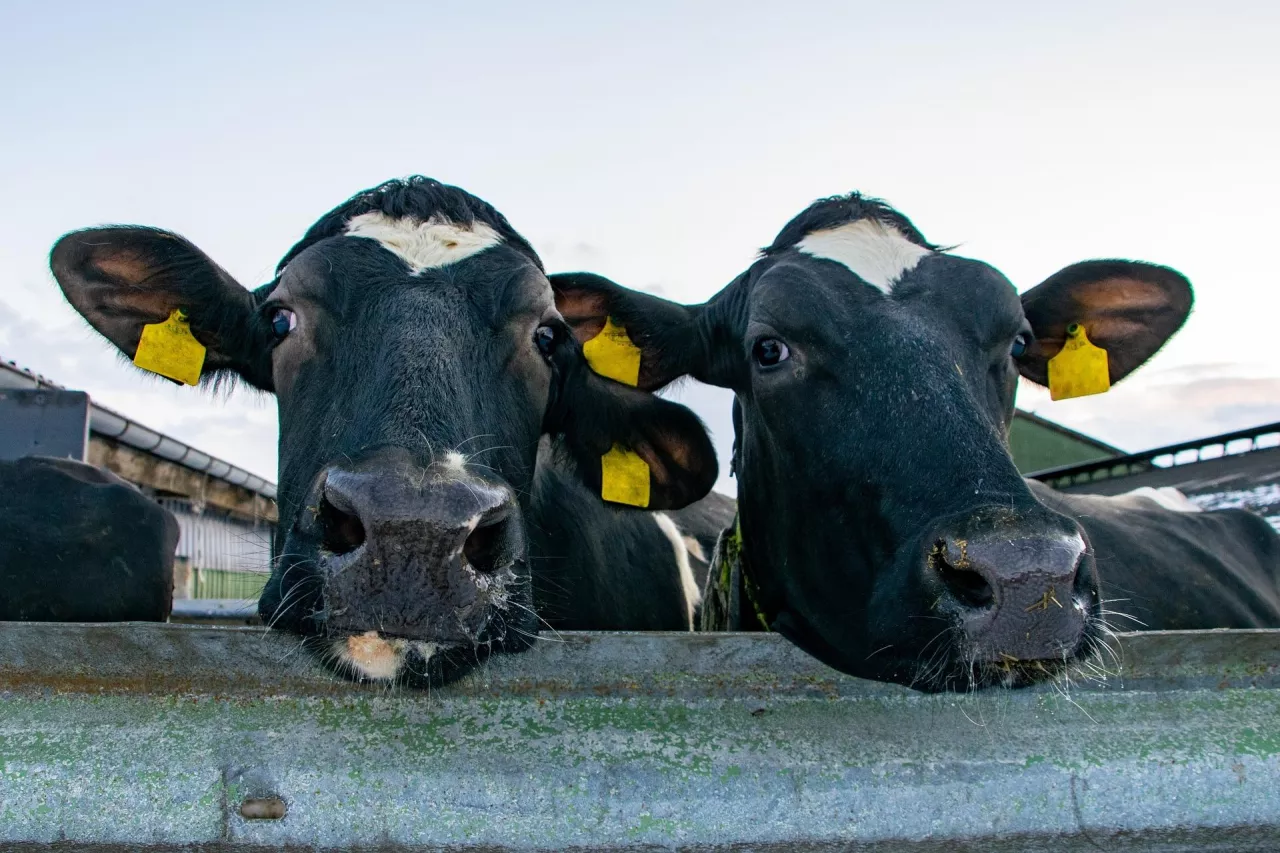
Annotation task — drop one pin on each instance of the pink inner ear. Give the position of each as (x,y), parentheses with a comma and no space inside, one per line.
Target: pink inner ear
(1119,293)
(657,470)
(1103,331)
(122,266)
(585,312)
(676,451)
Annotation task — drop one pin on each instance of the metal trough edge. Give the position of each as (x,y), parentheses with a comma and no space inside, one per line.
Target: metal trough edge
(165,736)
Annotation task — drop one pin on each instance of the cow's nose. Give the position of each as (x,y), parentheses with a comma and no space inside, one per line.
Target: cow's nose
(1015,592)
(418,553)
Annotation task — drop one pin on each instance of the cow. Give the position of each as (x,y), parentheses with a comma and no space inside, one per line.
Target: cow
(442,436)
(883,526)
(79,544)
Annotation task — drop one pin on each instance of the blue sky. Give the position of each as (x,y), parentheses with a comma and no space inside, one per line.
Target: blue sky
(660,144)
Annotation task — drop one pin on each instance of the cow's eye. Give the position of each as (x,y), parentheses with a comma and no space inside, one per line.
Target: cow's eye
(770,351)
(1020,345)
(283,321)
(546,338)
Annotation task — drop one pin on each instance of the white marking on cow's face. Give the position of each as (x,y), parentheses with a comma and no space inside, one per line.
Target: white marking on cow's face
(692,595)
(876,253)
(454,462)
(371,657)
(1165,496)
(434,243)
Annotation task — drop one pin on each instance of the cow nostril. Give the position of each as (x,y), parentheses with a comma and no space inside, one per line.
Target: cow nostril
(960,579)
(342,531)
(488,549)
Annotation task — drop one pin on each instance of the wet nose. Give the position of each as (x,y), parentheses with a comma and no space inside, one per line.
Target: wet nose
(1015,591)
(416,553)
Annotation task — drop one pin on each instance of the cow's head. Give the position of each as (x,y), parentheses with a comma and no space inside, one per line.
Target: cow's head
(884,523)
(415,350)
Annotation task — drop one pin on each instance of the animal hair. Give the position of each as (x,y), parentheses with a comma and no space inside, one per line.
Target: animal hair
(837,210)
(415,197)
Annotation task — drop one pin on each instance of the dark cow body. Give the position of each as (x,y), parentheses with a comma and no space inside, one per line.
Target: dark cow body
(573,592)
(441,434)
(79,544)
(1173,571)
(884,527)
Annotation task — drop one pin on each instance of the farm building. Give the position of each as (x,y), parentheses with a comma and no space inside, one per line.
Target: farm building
(1037,444)
(1235,470)
(226,514)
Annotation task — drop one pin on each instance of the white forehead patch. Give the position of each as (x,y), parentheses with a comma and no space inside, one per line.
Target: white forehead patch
(876,253)
(427,245)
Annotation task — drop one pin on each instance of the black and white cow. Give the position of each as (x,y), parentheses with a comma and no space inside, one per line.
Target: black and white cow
(79,544)
(441,433)
(884,527)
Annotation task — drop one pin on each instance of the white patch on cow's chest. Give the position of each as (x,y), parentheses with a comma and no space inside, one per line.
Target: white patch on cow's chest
(689,586)
(876,253)
(427,245)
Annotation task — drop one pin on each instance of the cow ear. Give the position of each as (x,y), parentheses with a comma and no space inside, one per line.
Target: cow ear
(630,447)
(123,278)
(1128,308)
(633,337)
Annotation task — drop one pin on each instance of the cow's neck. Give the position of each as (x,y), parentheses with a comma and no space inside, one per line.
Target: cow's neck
(731,601)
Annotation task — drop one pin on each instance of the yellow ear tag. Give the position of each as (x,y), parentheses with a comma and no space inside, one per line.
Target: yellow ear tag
(169,349)
(1079,369)
(624,477)
(612,354)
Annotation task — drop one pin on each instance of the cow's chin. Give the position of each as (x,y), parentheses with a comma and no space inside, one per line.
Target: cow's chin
(378,658)
(373,657)
(954,668)
(504,623)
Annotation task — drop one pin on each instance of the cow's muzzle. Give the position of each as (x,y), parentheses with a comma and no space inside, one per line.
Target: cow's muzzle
(1020,591)
(412,553)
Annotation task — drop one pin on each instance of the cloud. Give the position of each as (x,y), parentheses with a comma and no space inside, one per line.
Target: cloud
(1181,404)
(562,255)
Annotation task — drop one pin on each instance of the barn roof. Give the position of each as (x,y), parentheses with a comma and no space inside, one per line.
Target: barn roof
(111,424)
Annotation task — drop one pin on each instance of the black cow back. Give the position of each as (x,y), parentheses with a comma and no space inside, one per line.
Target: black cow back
(1178,570)
(79,544)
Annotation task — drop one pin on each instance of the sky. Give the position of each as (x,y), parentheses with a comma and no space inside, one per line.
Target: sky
(661,144)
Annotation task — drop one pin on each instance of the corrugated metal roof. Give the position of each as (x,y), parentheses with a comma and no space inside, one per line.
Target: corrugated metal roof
(111,424)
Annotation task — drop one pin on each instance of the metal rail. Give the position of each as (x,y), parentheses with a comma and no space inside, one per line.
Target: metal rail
(1265,437)
(223,611)
(163,736)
